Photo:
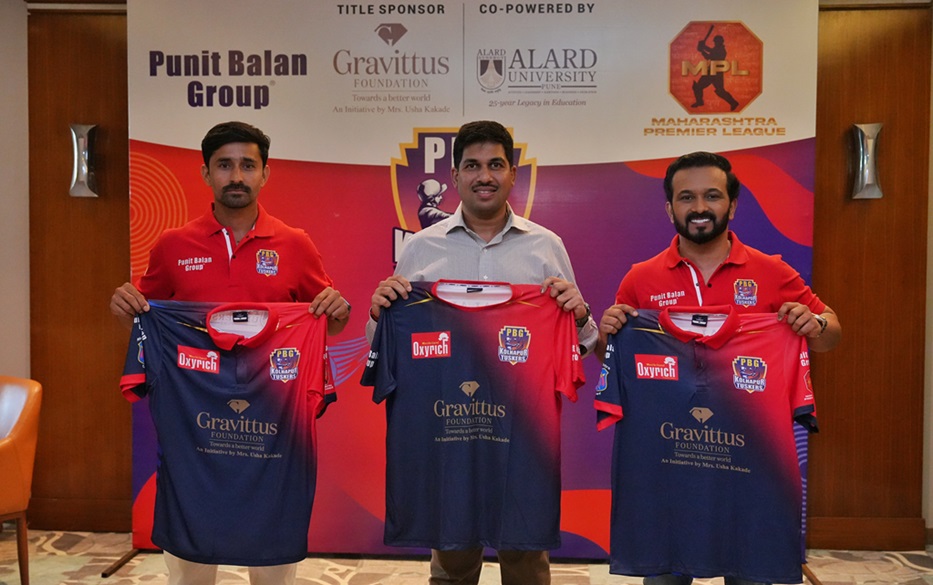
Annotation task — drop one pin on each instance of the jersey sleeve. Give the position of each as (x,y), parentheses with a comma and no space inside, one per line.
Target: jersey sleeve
(803,403)
(380,365)
(570,372)
(608,401)
(133,380)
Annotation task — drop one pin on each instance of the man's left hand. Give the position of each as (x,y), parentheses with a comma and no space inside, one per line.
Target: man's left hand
(566,294)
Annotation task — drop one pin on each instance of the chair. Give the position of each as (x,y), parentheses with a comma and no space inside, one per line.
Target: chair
(20,399)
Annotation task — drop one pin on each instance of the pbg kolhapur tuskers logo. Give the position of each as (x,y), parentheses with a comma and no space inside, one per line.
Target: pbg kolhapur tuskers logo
(749,373)
(746,292)
(513,344)
(267,262)
(421,178)
(715,67)
(284,363)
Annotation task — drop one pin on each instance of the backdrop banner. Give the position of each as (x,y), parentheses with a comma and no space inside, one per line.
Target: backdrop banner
(362,102)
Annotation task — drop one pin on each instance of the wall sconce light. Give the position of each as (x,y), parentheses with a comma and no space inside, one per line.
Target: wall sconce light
(83,181)
(866,172)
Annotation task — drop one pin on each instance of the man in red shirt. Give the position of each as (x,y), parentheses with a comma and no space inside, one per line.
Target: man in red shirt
(707,265)
(237,252)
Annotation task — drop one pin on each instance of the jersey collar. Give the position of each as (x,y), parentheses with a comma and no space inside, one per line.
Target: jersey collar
(714,340)
(227,340)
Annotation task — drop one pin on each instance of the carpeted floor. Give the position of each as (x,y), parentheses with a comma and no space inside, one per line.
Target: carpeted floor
(80,558)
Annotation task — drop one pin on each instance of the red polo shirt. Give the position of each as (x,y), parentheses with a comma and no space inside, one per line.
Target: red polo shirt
(273,263)
(750,280)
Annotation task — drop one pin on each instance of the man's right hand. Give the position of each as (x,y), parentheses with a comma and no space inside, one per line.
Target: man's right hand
(388,290)
(612,321)
(126,302)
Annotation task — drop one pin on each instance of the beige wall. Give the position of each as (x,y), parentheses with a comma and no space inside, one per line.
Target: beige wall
(14,193)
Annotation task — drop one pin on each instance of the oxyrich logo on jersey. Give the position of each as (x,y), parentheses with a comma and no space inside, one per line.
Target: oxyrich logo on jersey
(746,292)
(656,367)
(469,388)
(490,68)
(701,413)
(199,360)
(421,176)
(749,373)
(513,344)
(267,262)
(715,67)
(391,33)
(433,344)
(284,362)
(238,405)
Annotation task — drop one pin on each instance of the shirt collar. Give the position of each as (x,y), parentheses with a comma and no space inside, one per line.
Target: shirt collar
(512,221)
(738,254)
(208,225)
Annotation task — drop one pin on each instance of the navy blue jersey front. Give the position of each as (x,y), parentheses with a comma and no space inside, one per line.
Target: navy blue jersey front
(234,390)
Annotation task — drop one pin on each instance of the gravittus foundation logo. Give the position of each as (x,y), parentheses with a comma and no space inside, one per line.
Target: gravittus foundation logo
(715,67)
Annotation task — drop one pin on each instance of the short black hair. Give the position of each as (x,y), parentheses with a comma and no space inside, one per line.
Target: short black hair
(229,132)
(702,159)
(479,132)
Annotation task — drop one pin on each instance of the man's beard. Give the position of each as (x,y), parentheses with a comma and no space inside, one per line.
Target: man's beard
(716,228)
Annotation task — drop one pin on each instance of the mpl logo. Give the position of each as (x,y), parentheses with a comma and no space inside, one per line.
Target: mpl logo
(434,344)
(715,67)
(422,175)
(656,367)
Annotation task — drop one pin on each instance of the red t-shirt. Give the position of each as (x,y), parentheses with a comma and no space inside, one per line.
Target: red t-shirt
(273,263)
(750,280)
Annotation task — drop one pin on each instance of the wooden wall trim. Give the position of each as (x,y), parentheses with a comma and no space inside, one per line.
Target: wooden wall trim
(80,514)
(866,533)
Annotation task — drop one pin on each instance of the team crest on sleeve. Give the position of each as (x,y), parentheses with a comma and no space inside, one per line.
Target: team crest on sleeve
(749,373)
(603,380)
(267,262)
(284,362)
(746,292)
(513,344)
(433,344)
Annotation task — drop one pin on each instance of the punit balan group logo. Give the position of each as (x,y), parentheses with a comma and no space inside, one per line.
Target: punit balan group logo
(715,67)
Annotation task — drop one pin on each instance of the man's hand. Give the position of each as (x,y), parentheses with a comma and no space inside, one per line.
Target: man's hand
(330,303)
(611,323)
(126,303)
(389,290)
(804,323)
(566,294)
